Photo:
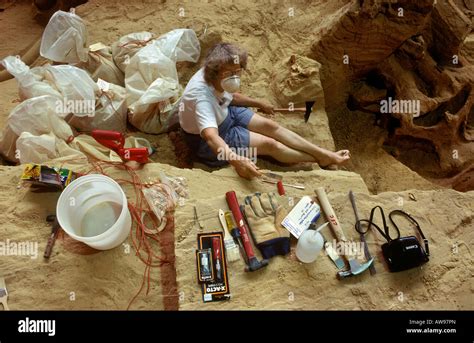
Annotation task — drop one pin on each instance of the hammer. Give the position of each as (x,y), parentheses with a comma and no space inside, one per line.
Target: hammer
(253,263)
(355,268)
(307,110)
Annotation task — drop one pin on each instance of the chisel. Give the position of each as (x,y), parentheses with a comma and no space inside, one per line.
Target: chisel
(362,236)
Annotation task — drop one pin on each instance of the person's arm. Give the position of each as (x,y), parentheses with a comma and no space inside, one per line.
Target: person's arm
(246,101)
(243,166)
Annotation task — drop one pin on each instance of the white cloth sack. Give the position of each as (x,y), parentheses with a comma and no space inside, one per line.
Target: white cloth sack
(36,149)
(68,83)
(65,38)
(127,46)
(45,148)
(32,82)
(151,80)
(36,116)
(180,45)
(100,65)
(110,112)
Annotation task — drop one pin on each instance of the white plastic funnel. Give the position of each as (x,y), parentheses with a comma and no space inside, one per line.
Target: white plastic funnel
(310,244)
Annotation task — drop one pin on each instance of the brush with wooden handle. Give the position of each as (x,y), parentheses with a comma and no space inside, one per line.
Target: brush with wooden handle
(231,249)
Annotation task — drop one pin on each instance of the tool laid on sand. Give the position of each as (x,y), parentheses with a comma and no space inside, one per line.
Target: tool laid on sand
(234,231)
(211,264)
(271,175)
(3,294)
(355,267)
(54,234)
(276,179)
(231,248)
(216,249)
(115,140)
(362,236)
(275,182)
(253,263)
(334,256)
(307,110)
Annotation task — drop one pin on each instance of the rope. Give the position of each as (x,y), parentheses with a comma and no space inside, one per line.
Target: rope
(143,237)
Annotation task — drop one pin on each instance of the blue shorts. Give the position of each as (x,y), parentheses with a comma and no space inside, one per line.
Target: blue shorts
(233,130)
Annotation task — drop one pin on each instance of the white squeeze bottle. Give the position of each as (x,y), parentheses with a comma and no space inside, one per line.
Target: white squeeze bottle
(310,244)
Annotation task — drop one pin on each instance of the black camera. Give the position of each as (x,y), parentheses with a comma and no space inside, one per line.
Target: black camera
(404,253)
(401,253)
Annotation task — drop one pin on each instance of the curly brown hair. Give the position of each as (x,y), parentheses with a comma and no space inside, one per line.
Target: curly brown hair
(221,54)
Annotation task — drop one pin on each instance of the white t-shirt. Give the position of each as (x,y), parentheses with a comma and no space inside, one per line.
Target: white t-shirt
(202,106)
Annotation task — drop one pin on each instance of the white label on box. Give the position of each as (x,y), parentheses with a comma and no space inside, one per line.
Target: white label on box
(207,297)
(301,216)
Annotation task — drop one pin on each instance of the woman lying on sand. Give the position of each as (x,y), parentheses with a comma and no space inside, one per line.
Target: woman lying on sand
(220,128)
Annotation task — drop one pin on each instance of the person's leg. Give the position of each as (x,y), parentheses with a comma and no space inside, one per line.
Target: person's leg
(270,147)
(270,128)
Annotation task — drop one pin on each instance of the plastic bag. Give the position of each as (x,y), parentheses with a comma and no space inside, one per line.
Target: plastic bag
(110,111)
(180,45)
(36,116)
(100,65)
(65,38)
(153,89)
(36,149)
(31,81)
(157,118)
(77,89)
(127,46)
(45,148)
(73,86)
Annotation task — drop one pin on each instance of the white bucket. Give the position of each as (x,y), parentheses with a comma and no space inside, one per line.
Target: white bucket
(93,209)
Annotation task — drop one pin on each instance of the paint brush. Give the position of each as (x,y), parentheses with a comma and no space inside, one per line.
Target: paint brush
(295,185)
(270,177)
(231,249)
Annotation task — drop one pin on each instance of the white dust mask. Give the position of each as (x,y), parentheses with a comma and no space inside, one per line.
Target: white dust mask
(231,84)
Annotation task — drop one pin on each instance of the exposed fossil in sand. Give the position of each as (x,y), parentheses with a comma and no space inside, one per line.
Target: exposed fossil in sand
(408,53)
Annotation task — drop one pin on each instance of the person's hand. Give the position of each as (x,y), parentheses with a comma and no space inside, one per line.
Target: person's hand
(245,168)
(266,108)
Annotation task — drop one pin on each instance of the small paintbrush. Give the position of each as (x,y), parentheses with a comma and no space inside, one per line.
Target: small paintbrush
(231,249)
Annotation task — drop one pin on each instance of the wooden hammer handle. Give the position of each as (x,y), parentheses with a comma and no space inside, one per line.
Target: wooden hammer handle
(284,109)
(332,219)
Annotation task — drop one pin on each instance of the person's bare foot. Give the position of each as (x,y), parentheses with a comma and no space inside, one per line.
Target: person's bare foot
(332,159)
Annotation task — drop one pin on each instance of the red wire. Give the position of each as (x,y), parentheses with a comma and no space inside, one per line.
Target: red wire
(143,236)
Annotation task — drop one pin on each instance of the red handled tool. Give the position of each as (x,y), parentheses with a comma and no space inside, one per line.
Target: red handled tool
(115,140)
(281,189)
(253,263)
(216,249)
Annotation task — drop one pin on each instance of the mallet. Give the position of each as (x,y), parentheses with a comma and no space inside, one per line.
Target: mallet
(307,110)
(253,263)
